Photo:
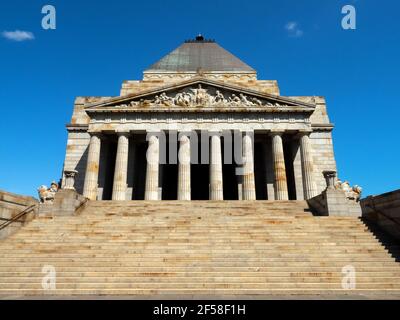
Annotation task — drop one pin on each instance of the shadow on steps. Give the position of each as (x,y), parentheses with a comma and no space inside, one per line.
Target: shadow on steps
(391,244)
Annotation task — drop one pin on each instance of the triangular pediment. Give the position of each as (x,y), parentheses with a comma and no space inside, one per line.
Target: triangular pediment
(199,93)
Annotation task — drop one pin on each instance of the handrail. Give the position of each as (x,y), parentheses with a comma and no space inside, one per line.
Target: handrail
(373,207)
(17,217)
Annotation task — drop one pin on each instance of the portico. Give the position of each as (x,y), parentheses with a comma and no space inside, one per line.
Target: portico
(246,177)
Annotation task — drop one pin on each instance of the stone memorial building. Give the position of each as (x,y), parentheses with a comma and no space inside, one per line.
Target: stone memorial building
(200,125)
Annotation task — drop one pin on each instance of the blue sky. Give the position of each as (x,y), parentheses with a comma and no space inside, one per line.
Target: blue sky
(98,44)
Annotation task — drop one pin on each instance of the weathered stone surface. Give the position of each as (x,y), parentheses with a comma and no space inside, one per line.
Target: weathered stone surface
(121,167)
(10,205)
(216,184)
(383,210)
(281,190)
(92,168)
(184,190)
(249,187)
(153,156)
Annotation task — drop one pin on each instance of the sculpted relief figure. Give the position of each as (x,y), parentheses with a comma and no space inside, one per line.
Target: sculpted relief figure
(182,100)
(256,101)
(234,99)
(219,98)
(165,100)
(201,96)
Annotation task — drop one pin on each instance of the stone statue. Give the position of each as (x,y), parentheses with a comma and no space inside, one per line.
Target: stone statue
(244,100)
(134,103)
(181,100)
(219,97)
(357,191)
(47,195)
(256,101)
(234,99)
(157,100)
(201,97)
(352,193)
(165,100)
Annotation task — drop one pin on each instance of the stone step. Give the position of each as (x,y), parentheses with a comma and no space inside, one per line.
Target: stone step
(95,262)
(204,247)
(197,285)
(201,293)
(5,282)
(370,269)
(177,274)
(162,250)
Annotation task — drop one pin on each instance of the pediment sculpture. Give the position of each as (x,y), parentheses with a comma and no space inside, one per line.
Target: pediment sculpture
(193,97)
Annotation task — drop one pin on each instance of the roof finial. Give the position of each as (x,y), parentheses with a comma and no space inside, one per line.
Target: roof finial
(200,37)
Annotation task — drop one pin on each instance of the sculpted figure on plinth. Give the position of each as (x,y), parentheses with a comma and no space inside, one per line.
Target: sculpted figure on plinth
(352,193)
(47,194)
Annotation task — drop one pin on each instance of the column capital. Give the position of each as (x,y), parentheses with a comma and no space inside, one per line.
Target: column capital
(277,132)
(125,133)
(214,132)
(247,131)
(302,133)
(154,131)
(98,134)
(187,133)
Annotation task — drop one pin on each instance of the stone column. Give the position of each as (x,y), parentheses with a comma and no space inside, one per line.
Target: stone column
(249,187)
(121,167)
(184,168)
(153,159)
(92,168)
(310,188)
(281,189)
(216,185)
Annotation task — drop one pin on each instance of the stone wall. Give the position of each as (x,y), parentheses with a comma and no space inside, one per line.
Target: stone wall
(10,205)
(384,210)
(332,202)
(76,156)
(66,202)
(323,156)
(153,81)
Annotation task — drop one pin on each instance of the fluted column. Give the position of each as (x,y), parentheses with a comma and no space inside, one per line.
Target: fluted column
(310,187)
(121,167)
(216,185)
(281,189)
(249,187)
(184,191)
(92,168)
(153,156)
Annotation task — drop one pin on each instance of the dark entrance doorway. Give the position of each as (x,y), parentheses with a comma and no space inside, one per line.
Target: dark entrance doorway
(108,153)
(199,175)
(229,177)
(169,172)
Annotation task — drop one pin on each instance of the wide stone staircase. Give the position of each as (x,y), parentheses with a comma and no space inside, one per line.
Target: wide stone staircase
(197,248)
